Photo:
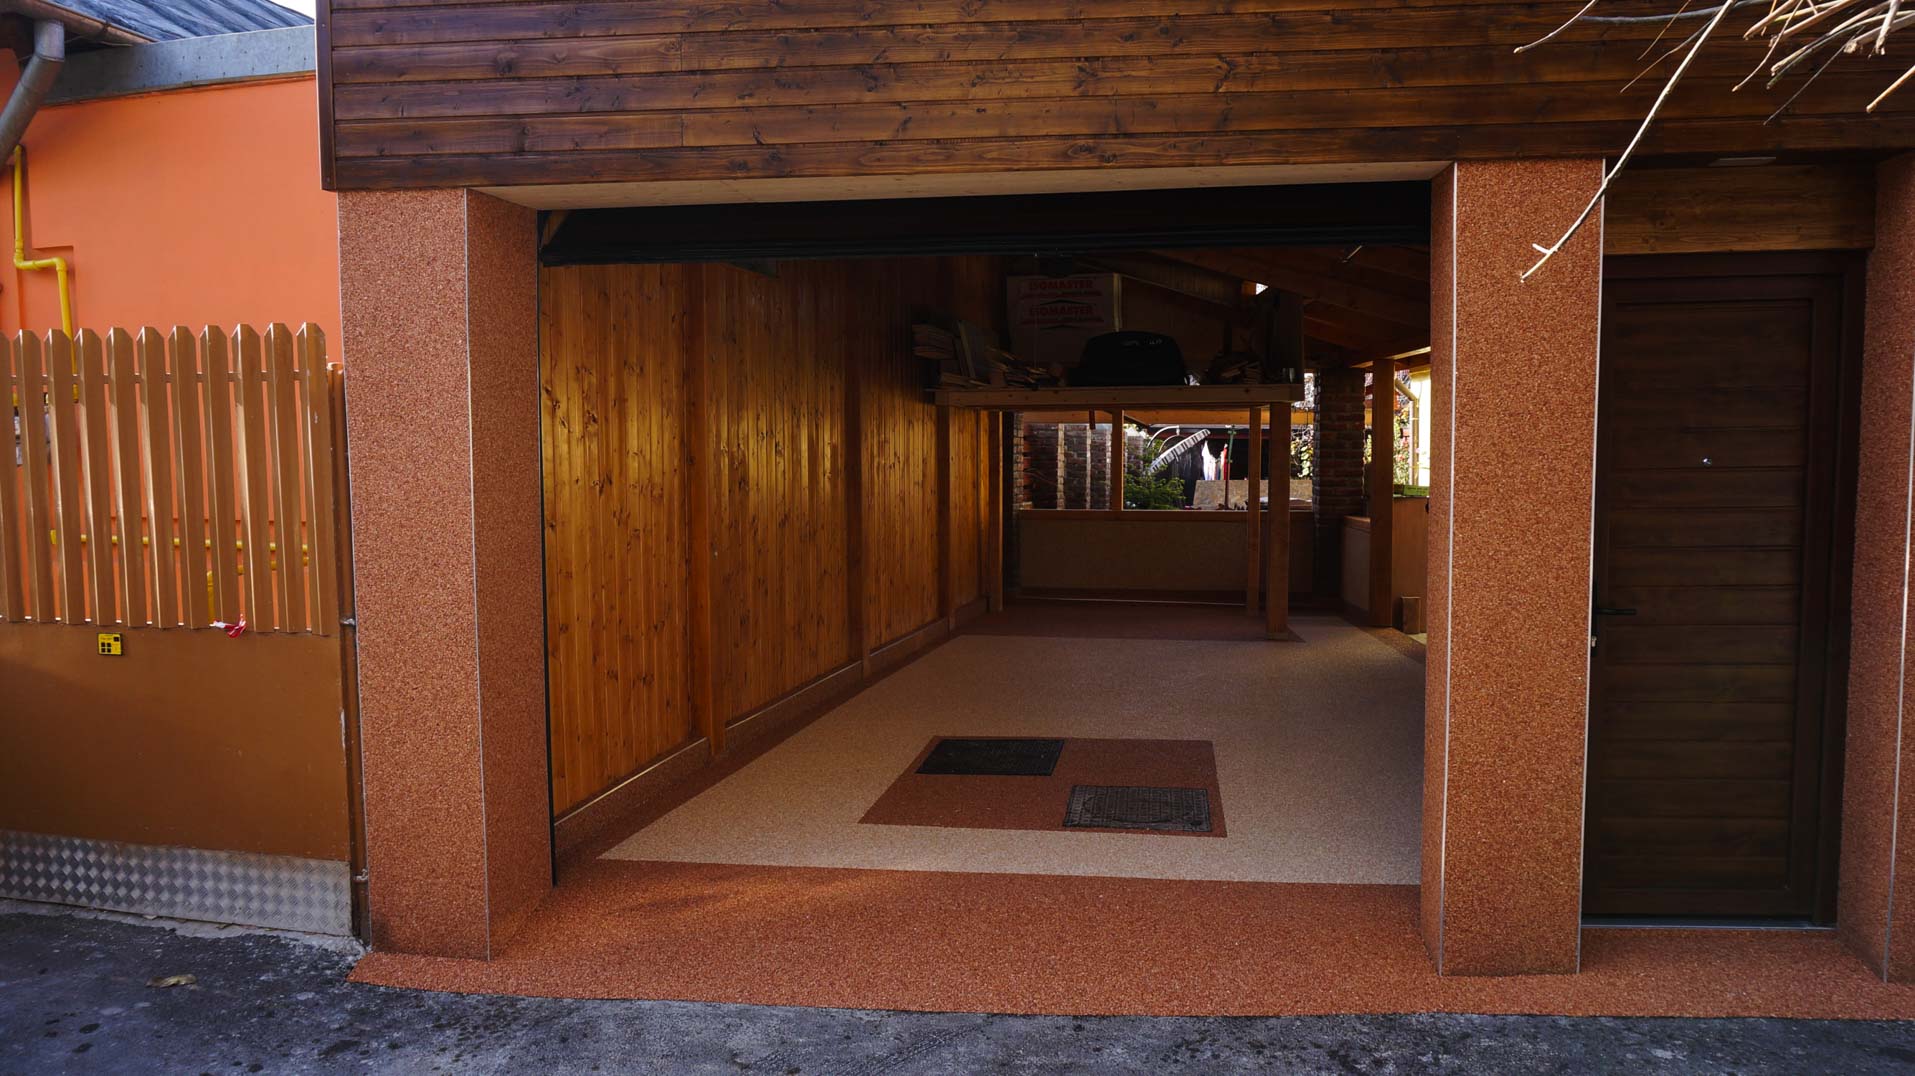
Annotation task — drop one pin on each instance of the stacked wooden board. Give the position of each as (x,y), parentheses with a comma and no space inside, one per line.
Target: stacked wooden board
(963,356)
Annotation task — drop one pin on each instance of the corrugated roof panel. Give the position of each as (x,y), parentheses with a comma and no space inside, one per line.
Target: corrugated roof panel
(164,20)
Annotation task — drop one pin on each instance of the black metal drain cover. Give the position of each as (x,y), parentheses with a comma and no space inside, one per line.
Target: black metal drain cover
(994,757)
(1176,810)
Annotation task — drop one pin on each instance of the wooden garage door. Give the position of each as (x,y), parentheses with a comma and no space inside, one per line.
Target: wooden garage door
(1720,583)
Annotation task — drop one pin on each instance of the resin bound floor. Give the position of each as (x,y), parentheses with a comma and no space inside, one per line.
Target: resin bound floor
(822,873)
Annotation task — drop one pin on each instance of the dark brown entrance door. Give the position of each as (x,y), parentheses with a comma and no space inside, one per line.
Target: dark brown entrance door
(1722,538)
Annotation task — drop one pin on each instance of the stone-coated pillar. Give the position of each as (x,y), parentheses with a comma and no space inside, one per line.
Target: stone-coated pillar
(439,297)
(1876,907)
(1513,367)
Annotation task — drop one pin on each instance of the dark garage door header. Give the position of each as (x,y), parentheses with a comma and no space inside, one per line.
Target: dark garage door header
(1307,215)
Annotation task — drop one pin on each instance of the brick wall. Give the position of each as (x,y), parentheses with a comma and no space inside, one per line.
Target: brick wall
(1040,466)
(1063,465)
(1076,437)
(1338,486)
(1100,466)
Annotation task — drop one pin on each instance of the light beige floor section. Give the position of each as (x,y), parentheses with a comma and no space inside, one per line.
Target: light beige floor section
(1319,761)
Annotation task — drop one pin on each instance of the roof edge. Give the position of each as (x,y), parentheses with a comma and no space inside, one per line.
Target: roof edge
(185,63)
(81,26)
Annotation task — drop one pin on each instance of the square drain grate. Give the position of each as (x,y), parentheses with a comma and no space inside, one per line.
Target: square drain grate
(1175,810)
(994,757)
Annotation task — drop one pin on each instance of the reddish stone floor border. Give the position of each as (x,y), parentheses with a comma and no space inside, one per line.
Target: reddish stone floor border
(931,941)
(947,941)
(990,802)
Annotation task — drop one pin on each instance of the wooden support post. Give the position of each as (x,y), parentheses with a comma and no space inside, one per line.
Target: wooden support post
(1117,460)
(995,513)
(857,623)
(1090,446)
(981,488)
(695,421)
(1382,491)
(1283,349)
(947,531)
(1276,600)
(1253,493)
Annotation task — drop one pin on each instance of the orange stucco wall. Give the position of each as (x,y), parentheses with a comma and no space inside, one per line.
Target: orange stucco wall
(185,207)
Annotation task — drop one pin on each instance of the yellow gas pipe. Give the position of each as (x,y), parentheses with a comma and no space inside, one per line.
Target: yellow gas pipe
(20,259)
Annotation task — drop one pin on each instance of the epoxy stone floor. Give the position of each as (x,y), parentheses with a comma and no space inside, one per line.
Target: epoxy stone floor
(1318,751)
(768,887)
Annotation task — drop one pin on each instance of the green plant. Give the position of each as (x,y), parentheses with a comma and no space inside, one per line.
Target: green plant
(1152,491)
(1145,490)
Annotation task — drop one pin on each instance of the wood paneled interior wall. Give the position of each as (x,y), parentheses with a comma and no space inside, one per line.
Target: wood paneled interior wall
(900,438)
(976,289)
(434,94)
(775,374)
(779,351)
(969,468)
(612,346)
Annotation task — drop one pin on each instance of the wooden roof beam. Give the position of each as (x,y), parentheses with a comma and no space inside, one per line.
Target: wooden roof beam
(1210,286)
(1360,342)
(1372,303)
(1334,267)
(1405,262)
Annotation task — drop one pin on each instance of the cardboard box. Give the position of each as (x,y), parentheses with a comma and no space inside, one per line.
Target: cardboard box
(1052,316)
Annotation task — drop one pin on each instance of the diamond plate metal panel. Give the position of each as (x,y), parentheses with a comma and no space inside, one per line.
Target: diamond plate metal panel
(284,892)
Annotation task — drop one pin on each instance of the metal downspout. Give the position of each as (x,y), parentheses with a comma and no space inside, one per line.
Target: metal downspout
(36,81)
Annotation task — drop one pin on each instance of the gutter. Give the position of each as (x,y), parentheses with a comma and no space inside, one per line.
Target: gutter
(80,26)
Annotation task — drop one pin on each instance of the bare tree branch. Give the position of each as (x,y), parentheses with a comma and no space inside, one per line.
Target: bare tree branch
(1551,36)
(1609,177)
(1824,29)
(1684,13)
(1893,86)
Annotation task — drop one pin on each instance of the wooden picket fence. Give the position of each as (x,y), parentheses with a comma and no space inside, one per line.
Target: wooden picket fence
(173,480)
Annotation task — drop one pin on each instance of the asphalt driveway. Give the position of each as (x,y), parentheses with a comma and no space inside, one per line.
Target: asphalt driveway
(78,994)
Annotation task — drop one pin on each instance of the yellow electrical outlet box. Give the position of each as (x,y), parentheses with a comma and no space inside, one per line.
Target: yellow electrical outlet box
(110,642)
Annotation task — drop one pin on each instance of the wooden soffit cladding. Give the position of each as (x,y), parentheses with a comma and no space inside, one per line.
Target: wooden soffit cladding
(1773,207)
(515,92)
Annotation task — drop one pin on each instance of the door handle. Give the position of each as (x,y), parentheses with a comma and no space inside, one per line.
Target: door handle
(1605,610)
